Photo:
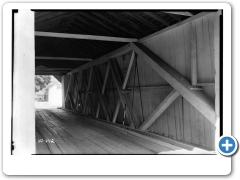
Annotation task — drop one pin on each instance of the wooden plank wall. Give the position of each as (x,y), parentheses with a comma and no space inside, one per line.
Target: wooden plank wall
(181,121)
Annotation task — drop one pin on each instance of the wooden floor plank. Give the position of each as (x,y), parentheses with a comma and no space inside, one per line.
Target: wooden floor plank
(76,134)
(64,145)
(96,130)
(48,136)
(141,144)
(42,147)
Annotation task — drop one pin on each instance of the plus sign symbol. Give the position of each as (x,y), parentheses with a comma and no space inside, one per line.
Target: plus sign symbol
(227,145)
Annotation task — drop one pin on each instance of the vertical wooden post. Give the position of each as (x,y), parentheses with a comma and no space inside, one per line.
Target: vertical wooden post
(88,87)
(193,54)
(69,86)
(79,82)
(216,62)
(216,45)
(102,97)
(23,84)
(64,89)
(103,88)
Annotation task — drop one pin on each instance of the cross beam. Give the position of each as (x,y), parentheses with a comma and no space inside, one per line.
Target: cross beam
(182,13)
(83,36)
(62,58)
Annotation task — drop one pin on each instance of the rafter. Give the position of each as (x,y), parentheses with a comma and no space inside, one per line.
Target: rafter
(188,20)
(122,19)
(182,13)
(83,19)
(144,21)
(114,24)
(54,16)
(174,16)
(157,17)
(97,21)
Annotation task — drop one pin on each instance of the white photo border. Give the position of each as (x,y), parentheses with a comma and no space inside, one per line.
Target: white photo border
(114,164)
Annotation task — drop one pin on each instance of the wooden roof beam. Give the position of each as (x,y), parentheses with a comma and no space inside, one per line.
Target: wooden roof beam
(38,14)
(99,44)
(174,16)
(142,20)
(114,24)
(158,18)
(97,21)
(83,36)
(125,49)
(188,20)
(182,13)
(54,69)
(197,98)
(54,16)
(47,73)
(122,19)
(94,24)
(63,58)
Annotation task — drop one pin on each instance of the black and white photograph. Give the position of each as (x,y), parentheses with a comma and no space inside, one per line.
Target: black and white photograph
(122,82)
(114,82)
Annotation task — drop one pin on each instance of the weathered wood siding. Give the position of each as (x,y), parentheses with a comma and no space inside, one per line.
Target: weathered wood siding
(181,121)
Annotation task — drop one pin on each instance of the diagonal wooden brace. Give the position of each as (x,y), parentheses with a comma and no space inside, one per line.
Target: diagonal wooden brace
(103,88)
(160,109)
(118,81)
(101,96)
(87,94)
(197,98)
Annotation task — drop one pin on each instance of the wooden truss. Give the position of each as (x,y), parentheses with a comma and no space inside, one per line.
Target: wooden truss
(181,86)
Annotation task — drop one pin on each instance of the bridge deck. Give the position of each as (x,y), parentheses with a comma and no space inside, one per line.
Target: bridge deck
(62,132)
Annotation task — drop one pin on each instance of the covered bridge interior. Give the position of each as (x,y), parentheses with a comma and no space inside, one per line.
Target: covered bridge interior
(133,82)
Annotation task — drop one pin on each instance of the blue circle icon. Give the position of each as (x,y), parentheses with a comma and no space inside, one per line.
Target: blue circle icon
(227,145)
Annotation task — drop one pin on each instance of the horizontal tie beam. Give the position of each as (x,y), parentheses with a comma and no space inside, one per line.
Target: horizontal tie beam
(83,36)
